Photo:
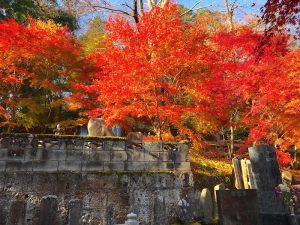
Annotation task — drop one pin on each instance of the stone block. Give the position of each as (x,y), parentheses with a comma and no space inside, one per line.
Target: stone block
(134,166)
(3,153)
(45,166)
(159,211)
(118,156)
(17,213)
(238,207)
(170,147)
(217,188)
(265,167)
(92,166)
(115,145)
(136,155)
(74,155)
(73,165)
(75,210)
(183,166)
(149,156)
(59,155)
(102,156)
(2,166)
(15,153)
(113,166)
(150,146)
(13,165)
(275,219)
(94,145)
(206,205)
(48,211)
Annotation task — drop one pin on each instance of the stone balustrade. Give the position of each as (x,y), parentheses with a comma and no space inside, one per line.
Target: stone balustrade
(49,153)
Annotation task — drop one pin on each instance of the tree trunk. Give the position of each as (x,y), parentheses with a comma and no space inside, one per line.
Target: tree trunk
(230,153)
(229,14)
(135,11)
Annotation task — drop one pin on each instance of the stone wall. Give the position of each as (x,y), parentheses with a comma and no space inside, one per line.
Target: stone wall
(48,153)
(68,180)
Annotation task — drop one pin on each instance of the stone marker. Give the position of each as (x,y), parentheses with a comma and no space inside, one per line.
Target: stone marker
(17,213)
(238,207)
(131,219)
(250,175)
(184,211)
(96,127)
(217,188)
(159,214)
(265,167)
(245,173)
(238,173)
(110,215)
(48,210)
(198,212)
(135,139)
(75,211)
(206,205)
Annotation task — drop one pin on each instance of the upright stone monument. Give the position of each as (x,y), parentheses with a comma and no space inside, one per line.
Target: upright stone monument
(238,207)
(217,188)
(267,176)
(207,205)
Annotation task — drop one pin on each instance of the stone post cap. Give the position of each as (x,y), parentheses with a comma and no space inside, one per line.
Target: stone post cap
(132,219)
(132,216)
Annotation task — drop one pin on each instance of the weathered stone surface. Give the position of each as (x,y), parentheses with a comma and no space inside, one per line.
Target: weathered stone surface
(217,188)
(17,213)
(75,211)
(265,167)
(48,210)
(238,207)
(135,140)
(108,179)
(206,205)
(238,173)
(159,212)
(96,127)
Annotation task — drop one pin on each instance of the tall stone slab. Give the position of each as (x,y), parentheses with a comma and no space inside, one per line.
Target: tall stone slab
(217,188)
(265,167)
(207,205)
(250,175)
(75,210)
(17,213)
(159,211)
(238,173)
(267,176)
(245,174)
(48,210)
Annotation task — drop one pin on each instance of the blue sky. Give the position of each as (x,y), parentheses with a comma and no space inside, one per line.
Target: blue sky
(245,7)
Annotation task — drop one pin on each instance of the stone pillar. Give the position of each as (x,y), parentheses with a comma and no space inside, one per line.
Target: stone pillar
(267,176)
(159,214)
(17,213)
(245,173)
(131,219)
(217,188)
(75,211)
(265,167)
(207,205)
(250,175)
(48,210)
(238,173)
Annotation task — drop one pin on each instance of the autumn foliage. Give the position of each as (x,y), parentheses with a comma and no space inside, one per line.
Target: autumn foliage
(36,62)
(163,75)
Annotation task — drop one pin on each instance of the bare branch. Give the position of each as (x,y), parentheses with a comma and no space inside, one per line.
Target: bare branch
(191,9)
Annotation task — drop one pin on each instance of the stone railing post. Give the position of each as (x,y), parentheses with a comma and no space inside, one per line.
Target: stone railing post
(131,219)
